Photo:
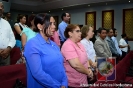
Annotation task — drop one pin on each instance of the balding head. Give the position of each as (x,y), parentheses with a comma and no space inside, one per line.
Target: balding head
(1,9)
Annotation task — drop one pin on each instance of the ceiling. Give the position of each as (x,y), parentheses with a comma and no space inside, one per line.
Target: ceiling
(46,5)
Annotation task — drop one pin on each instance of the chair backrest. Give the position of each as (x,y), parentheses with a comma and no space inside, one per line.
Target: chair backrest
(9,74)
(15,55)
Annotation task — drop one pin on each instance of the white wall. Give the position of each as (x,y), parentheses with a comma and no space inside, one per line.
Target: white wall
(78,16)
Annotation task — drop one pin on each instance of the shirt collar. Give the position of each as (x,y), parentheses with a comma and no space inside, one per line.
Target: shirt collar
(42,40)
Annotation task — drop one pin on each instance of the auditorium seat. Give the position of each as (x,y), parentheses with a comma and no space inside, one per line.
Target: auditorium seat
(9,74)
(15,55)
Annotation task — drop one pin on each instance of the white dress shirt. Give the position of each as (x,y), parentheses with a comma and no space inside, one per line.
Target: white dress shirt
(122,42)
(88,45)
(116,45)
(6,35)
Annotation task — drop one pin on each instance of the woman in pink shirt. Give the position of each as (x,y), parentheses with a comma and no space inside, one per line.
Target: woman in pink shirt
(55,38)
(76,61)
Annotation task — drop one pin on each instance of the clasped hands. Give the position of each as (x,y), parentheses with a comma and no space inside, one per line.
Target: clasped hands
(4,53)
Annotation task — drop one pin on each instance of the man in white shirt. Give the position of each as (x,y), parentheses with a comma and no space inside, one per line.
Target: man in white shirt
(7,39)
(123,45)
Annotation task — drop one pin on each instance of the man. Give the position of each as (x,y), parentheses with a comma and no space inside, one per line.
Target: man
(7,40)
(8,18)
(123,45)
(116,42)
(101,45)
(111,43)
(62,26)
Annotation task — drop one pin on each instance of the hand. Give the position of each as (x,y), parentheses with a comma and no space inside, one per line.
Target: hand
(90,73)
(1,50)
(5,52)
(63,87)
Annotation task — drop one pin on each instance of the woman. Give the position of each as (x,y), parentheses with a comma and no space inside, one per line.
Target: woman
(18,29)
(56,38)
(43,58)
(87,34)
(28,33)
(76,62)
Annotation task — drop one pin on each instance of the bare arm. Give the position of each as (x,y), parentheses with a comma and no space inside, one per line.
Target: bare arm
(17,28)
(79,67)
(23,39)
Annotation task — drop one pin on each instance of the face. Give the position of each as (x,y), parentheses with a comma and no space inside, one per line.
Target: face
(115,33)
(8,15)
(23,20)
(103,34)
(51,29)
(67,18)
(90,32)
(1,9)
(110,34)
(32,23)
(76,34)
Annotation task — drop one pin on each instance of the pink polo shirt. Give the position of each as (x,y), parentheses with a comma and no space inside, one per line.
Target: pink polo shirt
(55,38)
(70,51)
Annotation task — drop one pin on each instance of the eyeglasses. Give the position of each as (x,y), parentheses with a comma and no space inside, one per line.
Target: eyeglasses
(78,31)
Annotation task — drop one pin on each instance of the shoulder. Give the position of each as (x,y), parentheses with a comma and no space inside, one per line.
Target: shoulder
(4,21)
(68,44)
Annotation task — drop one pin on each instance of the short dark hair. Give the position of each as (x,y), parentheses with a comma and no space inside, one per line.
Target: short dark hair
(123,35)
(114,29)
(30,19)
(42,18)
(69,28)
(108,30)
(63,15)
(100,30)
(20,17)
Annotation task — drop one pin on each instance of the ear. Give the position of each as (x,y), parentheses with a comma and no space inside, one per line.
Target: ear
(70,34)
(39,26)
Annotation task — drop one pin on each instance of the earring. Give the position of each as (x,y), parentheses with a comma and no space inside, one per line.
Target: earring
(40,29)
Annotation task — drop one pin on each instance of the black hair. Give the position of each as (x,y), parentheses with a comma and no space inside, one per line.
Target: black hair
(100,30)
(20,17)
(42,18)
(114,29)
(123,35)
(63,15)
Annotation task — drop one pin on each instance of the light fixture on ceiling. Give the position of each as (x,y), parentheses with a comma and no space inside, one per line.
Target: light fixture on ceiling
(49,11)
(62,9)
(32,12)
(106,3)
(129,1)
(88,5)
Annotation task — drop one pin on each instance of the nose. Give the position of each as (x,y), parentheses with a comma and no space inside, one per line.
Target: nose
(53,26)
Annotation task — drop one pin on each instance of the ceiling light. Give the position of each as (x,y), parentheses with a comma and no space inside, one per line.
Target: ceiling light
(49,11)
(88,5)
(62,9)
(106,3)
(32,12)
(129,1)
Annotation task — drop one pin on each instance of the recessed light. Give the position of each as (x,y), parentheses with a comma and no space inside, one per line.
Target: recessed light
(62,9)
(49,11)
(88,5)
(129,1)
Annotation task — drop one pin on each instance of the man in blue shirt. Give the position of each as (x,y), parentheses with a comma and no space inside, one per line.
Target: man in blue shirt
(62,26)
(116,42)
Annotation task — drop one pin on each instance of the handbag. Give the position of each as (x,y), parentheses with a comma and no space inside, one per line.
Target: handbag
(19,84)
